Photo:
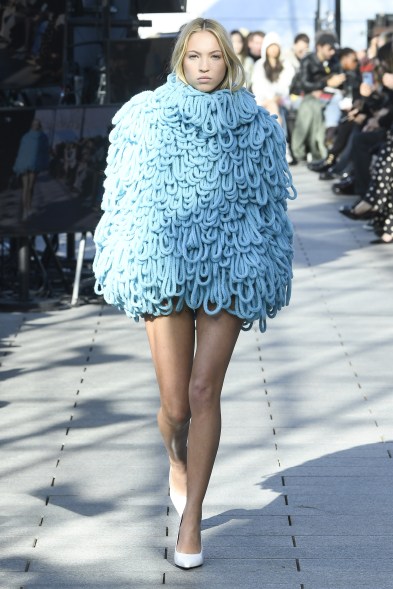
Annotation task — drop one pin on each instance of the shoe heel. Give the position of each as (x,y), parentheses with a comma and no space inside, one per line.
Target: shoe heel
(178,501)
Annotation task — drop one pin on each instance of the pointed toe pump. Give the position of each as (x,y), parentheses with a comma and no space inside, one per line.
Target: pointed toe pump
(187,561)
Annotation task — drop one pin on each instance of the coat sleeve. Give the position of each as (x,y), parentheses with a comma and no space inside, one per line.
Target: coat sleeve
(125,140)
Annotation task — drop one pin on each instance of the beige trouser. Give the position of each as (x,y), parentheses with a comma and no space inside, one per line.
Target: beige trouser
(309,130)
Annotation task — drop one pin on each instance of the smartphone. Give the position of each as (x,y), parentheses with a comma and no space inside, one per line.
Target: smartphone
(368,78)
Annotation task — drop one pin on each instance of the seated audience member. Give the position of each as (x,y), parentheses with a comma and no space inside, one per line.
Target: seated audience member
(343,96)
(378,114)
(338,120)
(377,203)
(299,49)
(51,46)
(254,44)
(293,56)
(271,78)
(240,47)
(316,74)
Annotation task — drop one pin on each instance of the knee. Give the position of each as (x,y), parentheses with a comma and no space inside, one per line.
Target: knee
(203,395)
(176,413)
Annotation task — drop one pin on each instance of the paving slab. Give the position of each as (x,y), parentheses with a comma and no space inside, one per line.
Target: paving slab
(247,573)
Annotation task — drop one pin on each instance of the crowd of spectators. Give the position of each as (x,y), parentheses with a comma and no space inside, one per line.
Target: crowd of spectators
(34,31)
(80,164)
(359,147)
(335,105)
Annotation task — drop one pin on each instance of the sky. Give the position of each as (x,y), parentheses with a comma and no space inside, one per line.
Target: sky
(286,17)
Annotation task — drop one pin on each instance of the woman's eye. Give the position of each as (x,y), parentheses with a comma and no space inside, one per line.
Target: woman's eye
(192,56)
(217,56)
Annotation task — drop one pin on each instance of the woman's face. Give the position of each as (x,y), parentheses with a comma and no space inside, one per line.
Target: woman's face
(237,43)
(273,51)
(203,63)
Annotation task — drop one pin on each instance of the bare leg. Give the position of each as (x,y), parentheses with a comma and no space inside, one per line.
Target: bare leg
(28,182)
(216,339)
(362,207)
(172,340)
(25,194)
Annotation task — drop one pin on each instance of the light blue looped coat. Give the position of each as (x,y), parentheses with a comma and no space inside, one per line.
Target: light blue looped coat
(195,206)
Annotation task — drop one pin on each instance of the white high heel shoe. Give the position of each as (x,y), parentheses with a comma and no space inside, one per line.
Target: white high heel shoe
(179,501)
(187,561)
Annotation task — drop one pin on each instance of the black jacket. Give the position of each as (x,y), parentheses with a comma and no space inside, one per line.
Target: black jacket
(351,86)
(313,74)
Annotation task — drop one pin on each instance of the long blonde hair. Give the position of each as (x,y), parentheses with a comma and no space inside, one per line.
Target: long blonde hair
(234,77)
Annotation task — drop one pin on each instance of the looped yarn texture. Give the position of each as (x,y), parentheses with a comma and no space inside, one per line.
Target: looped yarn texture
(195,207)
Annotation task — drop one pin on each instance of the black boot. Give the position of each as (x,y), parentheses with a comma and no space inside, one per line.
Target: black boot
(344,186)
(330,174)
(322,165)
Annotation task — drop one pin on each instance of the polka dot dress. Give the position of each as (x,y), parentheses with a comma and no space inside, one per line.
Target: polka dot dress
(380,190)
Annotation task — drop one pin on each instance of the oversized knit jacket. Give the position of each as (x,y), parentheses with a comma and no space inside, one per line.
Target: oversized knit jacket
(195,206)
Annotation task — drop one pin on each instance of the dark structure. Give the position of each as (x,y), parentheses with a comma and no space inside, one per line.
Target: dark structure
(382,23)
(320,24)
